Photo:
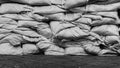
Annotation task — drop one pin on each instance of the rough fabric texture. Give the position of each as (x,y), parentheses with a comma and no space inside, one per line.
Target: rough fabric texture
(60,27)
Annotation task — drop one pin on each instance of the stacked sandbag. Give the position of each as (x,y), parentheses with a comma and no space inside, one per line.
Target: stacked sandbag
(59,27)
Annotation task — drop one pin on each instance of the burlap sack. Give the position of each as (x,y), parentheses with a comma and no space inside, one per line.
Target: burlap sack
(108,30)
(67,30)
(33,2)
(29,49)
(44,30)
(64,17)
(75,51)
(97,8)
(86,21)
(13,39)
(74,3)
(8,49)
(92,49)
(14,8)
(44,10)
(24,17)
(54,50)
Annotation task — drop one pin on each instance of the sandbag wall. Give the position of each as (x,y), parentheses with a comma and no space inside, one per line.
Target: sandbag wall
(59,27)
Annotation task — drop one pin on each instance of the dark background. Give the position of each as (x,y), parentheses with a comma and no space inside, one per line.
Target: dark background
(41,61)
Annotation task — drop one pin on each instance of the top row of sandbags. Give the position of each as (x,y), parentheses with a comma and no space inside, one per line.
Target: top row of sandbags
(67,3)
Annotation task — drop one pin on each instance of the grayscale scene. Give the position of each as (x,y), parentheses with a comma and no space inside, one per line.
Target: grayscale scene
(59,34)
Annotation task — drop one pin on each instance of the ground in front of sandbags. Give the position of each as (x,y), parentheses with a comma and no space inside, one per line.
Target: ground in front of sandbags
(41,61)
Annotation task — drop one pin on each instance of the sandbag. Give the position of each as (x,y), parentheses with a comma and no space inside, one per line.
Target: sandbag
(82,20)
(32,24)
(103,21)
(92,49)
(84,26)
(4,20)
(71,33)
(112,39)
(74,3)
(44,44)
(8,49)
(4,31)
(54,50)
(27,33)
(56,26)
(29,49)
(24,17)
(13,39)
(97,8)
(44,10)
(107,52)
(75,51)
(44,30)
(64,17)
(33,2)
(32,39)
(93,17)
(67,30)
(38,17)
(57,2)
(9,27)
(107,30)
(113,14)
(14,8)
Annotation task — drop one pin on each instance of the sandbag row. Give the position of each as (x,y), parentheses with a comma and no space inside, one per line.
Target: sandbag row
(59,27)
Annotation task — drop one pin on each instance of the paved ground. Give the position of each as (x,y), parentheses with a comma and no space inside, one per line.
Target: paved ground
(38,61)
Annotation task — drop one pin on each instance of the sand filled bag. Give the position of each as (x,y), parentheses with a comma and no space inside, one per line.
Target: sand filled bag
(66,30)
(108,30)
(29,49)
(44,30)
(32,24)
(103,21)
(75,3)
(93,17)
(57,2)
(14,8)
(86,21)
(112,39)
(112,14)
(97,8)
(8,49)
(43,10)
(24,17)
(54,50)
(107,52)
(33,2)
(5,20)
(29,33)
(13,39)
(8,26)
(92,49)
(75,51)
(64,17)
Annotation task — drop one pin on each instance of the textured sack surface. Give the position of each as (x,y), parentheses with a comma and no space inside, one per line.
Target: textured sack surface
(107,53)
(13,39)
(44,10)
(13,8)
(67,30)
(74,3)
(8,49)
(29,49)
(33,2)
(75,51)
(106,30)
(54,50)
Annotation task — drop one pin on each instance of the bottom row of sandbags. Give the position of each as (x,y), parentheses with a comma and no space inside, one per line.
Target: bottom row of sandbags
(50,49)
